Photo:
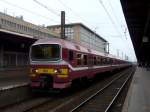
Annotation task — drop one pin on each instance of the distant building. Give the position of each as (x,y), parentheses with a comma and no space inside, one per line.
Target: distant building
(17,24)
(14,52)
(81,34)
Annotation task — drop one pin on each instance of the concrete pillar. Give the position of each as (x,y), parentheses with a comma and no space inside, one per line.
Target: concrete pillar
(1,55)
(77,34)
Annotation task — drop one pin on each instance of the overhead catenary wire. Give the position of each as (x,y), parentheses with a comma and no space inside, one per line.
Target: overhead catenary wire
(49,9)
(109,16)
(75,13)
(29,11)
(124,30)
(112,21)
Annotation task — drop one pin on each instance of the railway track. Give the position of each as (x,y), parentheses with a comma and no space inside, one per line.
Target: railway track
(26,105)
(103,99)
(76,101)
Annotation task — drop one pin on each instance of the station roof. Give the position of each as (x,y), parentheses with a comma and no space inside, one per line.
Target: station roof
(6,35)
(137,15)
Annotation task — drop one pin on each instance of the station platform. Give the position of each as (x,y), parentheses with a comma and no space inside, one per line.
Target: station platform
(138,97)
(10,78)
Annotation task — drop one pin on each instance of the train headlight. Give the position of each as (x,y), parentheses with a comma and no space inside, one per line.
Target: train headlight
(55,71)
(61,71)
(36,70)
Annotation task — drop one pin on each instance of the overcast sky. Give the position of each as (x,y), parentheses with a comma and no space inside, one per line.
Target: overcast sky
(105,17)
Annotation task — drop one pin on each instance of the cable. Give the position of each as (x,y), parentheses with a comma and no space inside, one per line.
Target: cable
(124,30)
(49,9)
(109,16)
(31,12)
(63,4)
(114,24)
(75,13)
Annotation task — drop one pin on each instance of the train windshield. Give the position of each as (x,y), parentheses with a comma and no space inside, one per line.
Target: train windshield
(45,52)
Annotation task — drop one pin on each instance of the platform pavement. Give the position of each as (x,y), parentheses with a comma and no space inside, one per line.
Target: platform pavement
(138,97)
(11,78)
(14,86)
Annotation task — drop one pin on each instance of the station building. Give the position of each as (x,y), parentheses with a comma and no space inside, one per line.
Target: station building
(16,36)
(81,34)
(18,25)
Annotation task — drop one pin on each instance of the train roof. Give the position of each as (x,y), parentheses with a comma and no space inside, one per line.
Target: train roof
(73,46)
(67,44)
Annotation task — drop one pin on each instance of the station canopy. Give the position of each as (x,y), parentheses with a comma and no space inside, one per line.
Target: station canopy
(137,15)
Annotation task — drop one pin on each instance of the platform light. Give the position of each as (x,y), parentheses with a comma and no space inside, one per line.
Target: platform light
(145,39)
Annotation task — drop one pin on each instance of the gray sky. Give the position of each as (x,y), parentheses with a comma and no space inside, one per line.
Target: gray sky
(105,17)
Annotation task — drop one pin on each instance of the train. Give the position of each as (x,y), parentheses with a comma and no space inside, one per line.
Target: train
(55,63)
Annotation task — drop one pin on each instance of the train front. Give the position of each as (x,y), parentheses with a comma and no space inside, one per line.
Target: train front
(48,69)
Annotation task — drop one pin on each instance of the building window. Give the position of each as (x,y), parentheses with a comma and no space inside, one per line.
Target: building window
(69,32)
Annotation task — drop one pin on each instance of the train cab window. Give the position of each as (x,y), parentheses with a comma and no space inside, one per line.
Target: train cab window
(71,55)
(45,52)
(85,59)
(79,59)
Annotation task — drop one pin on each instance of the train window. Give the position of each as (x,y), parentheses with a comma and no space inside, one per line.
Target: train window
(85,59)
(98,60)
(90,60)
(94,60)
(71,55)
(79,59)
(108,61)
(103,60)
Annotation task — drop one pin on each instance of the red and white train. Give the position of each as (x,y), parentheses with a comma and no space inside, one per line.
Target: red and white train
(56,63)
